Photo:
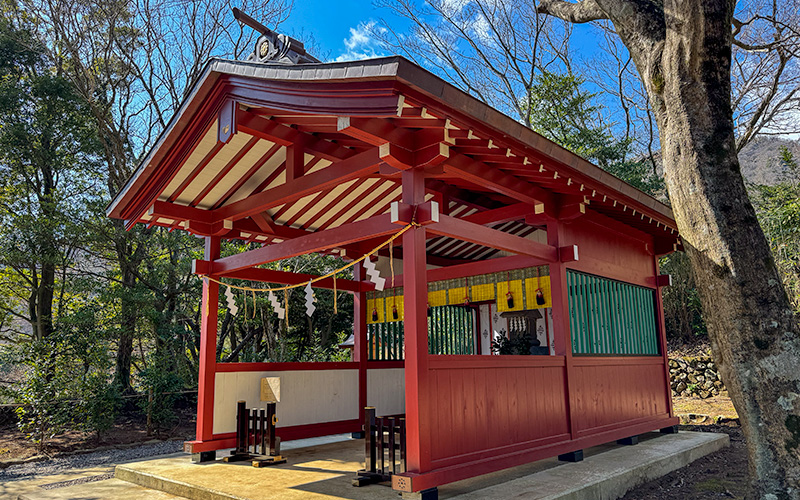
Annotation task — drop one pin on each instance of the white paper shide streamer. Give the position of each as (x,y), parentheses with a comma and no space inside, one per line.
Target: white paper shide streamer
(310,299)
(276,306)
(374,275)
(232,307)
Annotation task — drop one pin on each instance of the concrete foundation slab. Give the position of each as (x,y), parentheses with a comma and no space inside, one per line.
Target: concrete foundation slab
(115,489)
(324,472)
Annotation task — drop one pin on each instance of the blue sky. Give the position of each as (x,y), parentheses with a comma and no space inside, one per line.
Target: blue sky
(337,26)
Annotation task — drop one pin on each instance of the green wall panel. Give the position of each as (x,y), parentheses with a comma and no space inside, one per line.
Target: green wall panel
(609,317)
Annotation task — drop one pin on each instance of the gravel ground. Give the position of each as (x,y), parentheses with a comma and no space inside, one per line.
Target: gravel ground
(95,459)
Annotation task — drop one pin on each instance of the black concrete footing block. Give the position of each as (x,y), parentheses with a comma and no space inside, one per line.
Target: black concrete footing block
(673,429)
(357,435)
(429,494)
(573,456)
(204,456)
(629,440)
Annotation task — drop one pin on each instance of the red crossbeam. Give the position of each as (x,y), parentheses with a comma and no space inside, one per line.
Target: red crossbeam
(282,277)
(482,235)
(373,227)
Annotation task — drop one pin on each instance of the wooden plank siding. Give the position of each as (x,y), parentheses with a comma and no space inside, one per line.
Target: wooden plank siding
(483,406)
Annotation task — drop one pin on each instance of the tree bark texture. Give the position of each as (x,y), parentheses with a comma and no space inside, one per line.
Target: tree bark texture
(682,50)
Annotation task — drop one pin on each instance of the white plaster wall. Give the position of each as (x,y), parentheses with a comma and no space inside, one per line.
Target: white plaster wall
(386,391)
(307,396)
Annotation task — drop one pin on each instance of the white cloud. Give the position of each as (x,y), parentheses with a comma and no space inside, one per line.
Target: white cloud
(361,44)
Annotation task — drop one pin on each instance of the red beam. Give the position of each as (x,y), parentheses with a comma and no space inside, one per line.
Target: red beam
(201,221)
(295,160)
(503,214)
(283,277)
(476,268)
(482,174)
(482,235)
(359,165)
(273,131)
(374,131)
(310,243)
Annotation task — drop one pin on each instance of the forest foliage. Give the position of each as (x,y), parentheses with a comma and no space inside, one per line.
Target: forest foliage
(94,318)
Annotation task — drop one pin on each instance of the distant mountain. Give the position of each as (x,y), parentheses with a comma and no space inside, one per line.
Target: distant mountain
(759,160)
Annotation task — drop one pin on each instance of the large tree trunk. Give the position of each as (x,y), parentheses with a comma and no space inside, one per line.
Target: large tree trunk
(683,53)
(750,321)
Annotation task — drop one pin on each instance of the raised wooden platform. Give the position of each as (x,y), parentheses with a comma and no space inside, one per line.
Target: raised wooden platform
(325,472)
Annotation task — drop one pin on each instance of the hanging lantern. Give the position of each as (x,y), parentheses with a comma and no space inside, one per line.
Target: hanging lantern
(374,314)
(539,293)
(395,315)
(466,292)
(509,295)
(429,310)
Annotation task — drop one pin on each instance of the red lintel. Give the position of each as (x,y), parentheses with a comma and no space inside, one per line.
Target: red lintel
(482,235)
(503,214)
(283,277)
(477,268)
(314,242)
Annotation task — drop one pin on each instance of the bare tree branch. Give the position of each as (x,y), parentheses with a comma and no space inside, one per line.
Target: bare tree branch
(582,12)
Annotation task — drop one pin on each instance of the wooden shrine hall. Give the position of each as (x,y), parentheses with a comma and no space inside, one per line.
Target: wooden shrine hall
(505,235)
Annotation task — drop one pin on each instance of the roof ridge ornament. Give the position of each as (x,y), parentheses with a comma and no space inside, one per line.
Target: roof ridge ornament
(272,46)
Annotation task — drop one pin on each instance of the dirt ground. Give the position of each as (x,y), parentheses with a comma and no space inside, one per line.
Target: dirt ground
(720,475)
(13,444)
(713,407)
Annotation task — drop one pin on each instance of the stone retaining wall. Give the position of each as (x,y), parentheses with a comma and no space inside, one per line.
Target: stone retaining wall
(695,377)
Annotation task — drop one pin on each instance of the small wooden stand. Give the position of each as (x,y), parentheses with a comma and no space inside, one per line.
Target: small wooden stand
(256,427)
(375,427)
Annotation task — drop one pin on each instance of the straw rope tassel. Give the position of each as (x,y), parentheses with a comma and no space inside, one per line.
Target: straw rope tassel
(205,311)
(391,262)
(335,296)
(286,308)
(254,304)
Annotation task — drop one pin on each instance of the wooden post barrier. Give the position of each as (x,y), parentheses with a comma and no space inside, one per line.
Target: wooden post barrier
(256,428)
(382,433)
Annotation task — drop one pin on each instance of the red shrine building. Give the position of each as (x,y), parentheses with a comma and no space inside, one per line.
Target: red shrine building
(511,244)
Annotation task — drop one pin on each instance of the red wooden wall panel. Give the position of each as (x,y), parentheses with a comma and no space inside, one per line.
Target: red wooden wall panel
(608,392)
(479,407)
(609,253)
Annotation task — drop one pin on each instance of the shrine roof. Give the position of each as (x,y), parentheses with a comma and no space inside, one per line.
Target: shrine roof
(221,165)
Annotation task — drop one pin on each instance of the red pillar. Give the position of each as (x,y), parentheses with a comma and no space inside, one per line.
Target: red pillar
(415,290)
(662,336)
(208,348)
(360,340)
(560,297)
